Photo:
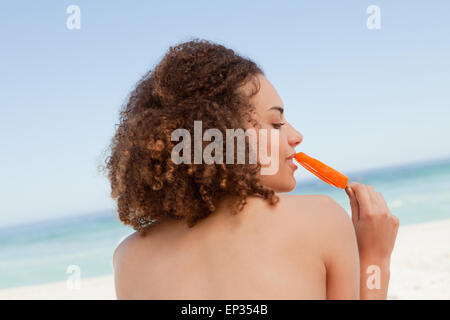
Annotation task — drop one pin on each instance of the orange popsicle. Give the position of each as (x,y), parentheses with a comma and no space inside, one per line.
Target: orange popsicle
(322,171)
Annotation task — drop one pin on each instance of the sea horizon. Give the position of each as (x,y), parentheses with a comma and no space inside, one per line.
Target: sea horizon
(312,181)
(41,251)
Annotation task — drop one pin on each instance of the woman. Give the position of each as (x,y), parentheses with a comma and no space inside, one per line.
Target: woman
(223,230)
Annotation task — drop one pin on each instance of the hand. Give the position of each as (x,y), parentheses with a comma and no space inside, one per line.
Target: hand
(375,226)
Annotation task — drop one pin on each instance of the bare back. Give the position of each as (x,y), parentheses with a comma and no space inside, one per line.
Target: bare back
(263,252)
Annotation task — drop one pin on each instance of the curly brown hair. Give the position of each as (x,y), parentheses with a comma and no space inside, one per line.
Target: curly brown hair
(195,80)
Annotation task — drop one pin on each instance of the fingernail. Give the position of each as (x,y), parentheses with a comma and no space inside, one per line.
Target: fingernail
(348,190)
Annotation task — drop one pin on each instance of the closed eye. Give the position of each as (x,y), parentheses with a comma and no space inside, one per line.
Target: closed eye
(278,125)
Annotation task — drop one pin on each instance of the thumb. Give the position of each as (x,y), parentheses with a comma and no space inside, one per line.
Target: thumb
(353,204)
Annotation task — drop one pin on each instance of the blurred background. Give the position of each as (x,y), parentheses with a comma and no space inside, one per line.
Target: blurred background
(368,88)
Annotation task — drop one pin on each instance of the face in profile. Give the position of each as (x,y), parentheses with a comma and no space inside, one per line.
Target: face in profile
(270,115)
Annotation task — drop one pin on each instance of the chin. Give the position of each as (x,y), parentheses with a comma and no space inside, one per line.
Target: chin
(283,184)
(287,187)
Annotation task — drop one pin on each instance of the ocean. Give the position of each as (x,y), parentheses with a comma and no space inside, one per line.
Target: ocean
(42,252)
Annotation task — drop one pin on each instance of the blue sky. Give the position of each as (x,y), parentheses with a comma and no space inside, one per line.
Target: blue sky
(361,98)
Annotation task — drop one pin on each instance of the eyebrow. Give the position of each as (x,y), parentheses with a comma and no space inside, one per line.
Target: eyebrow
(277,108)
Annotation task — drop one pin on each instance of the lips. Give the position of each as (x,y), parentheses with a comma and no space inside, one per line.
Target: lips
(291,156)
(290,161)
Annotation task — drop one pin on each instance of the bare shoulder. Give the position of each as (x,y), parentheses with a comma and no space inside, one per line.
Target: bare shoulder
(318,217)
(127,259)
(320,209)
(126,249)
(325,221)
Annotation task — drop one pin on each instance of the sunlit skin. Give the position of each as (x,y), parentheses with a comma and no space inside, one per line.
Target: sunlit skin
(264,252)
(270,114)
(305,247)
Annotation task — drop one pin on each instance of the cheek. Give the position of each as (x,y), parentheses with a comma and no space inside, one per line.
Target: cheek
(275,140)
(271,141)
(277,144)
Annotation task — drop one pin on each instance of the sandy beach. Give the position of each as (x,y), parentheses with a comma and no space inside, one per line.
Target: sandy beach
(420,269)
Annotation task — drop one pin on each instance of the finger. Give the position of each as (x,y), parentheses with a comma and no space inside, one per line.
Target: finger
(374,198)
(382,200)
(384,205)
(353,204)
(363,198)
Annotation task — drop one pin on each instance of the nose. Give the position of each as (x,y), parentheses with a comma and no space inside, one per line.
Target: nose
(295,138)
